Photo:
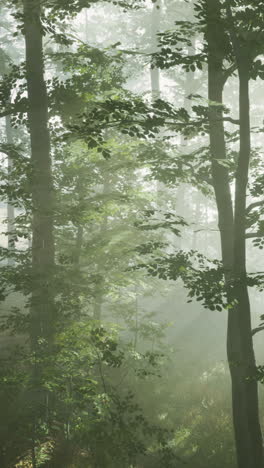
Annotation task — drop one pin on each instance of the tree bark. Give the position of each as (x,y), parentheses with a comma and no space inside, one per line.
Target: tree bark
(242,308)
(42,311)
(240,350)
(10,206)
(154,71)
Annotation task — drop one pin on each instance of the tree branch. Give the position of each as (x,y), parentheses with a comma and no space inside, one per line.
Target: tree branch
(228,71)
(229,119)
(233,35)
(7,112)
(254,205)
(256,330)
(251,235)
(206,229)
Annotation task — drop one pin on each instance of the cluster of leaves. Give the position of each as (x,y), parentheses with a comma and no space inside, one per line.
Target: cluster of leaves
(202,277)
(259,241)
(64,8)
(93,73)
(15,181)
(256,280)
(174,48)
(168,57)
(205,283)
(89,412)
(13,80)
(134,118)
(248,18)
(170,165)
(157,219)
(255,221)
(257,187)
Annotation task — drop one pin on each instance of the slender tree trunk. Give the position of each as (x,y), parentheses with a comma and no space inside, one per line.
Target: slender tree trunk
(232,232)
(189,86)
(217,137)
(86,34)
(155,75)
(42,311)
(10,206)
(80,189)
(197,213)
(155,26)
(78,245)
(242,308)
(98,302)
(99,287)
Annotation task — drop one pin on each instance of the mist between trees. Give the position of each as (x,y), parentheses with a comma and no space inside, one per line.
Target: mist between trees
(132,233)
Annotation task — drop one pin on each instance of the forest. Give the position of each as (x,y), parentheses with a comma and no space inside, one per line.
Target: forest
(132,233)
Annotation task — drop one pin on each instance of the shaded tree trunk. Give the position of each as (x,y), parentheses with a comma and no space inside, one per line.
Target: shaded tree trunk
(197,213)
(240,350)
(10,206)
(247,370)
(42,311)
(99,287)
(42,307)
(154,72)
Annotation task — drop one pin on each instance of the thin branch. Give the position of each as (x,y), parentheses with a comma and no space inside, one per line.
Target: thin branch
(7,112)
(233,35)
(249,235)
(206,229)
(229,119)
(228,71)
(256,330)
(254,205)
(252,235)
(133,52)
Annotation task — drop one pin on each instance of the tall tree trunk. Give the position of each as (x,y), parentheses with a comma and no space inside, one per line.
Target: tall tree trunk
(99,287)
(232,232)
(242,307)
(155,26)
(241,355)
(42,313)
(190,85)
(197,212)
(10,206)
(216,132)
(155,75)
(78,245)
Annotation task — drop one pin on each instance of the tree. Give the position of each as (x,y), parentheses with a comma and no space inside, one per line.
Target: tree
(233,234)
(42,185)
(43,397)
(99,233)
(239,47)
